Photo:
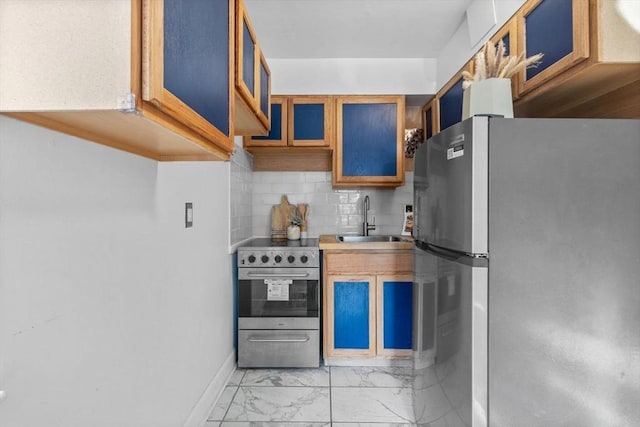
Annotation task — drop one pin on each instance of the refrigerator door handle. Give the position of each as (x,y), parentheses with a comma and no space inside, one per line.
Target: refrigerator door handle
(474,260)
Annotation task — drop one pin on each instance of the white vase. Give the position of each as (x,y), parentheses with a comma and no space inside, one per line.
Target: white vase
(488,97)
(293,232)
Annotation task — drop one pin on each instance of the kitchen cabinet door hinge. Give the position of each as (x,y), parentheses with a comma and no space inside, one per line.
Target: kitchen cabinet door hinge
(127,103)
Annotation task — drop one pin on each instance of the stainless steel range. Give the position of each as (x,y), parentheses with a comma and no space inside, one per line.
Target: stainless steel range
(279,303)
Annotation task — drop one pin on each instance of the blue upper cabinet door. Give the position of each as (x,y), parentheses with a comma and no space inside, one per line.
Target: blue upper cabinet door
(450,103)
(370,141)
(394,315)
(246,60)
(311,121)
(188,70)
(430,118)
(557,28)
(265,90)
(277,136)
(252,79)
(509,36)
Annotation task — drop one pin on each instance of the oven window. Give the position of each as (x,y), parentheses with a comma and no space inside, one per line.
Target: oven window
(264,298)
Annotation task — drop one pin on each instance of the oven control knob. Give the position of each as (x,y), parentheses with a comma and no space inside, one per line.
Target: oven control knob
(252,259)
(264,259)
(291,258)
(278,259)
(304,259)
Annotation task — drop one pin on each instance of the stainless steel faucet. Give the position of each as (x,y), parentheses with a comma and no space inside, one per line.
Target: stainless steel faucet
(365,224)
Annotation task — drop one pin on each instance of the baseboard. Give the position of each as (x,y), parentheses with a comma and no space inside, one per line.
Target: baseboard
(203,408)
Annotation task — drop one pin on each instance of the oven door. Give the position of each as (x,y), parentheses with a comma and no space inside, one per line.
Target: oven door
(278,292)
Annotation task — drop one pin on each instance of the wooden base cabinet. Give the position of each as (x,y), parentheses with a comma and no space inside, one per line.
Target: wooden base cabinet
(368,313)
(152,77)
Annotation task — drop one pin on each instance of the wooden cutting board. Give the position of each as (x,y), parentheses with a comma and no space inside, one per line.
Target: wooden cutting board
(280,216)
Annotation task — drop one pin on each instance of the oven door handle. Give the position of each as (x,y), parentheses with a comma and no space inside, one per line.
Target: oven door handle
(278,275)
(303,339)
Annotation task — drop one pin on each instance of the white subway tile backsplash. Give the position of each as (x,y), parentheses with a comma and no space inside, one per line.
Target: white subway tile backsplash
(331,211)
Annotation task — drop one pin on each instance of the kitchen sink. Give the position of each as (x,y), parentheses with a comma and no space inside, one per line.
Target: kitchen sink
(364,239)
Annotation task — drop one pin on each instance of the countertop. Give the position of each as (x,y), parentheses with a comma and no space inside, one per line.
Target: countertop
(329,242)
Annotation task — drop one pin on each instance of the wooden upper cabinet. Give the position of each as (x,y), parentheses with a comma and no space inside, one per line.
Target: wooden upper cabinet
(450,101)
(277,135)
(591,66)
(509,36)
(186,68)
(430,119)
(557,28)
(370,141)
(252,79)
(151,77)
(311,121)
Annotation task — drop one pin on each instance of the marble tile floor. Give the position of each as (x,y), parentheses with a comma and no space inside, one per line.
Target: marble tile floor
(322,397)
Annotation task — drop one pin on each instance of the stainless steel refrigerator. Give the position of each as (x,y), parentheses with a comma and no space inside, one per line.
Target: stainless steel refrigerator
(527,274)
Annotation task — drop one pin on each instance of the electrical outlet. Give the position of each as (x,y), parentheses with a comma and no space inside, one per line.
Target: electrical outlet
(188,215)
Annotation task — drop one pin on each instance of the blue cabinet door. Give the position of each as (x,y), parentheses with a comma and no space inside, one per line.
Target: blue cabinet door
(370,141)
(557,28)
(189,73)
(451,105)
(265,88)
(508,34)
(351,316)
(395,315)
(252,79)
(311,121)
(430,119)
(277,135)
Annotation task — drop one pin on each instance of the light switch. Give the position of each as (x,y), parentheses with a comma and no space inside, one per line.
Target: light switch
(188,215)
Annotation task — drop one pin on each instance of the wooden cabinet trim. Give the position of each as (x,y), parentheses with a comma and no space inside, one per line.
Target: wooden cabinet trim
(374,263)
(153,90)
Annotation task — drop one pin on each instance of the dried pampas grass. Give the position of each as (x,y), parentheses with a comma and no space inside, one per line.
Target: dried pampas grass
(491,62)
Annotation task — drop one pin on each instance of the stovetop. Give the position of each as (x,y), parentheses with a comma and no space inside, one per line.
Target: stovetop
(265,252)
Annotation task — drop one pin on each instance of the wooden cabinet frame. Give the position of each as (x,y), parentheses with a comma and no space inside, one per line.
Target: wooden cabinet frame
(249,117)
(374,267)
(329,120)
(580,52)
(510,29)
(153,88)
(435,117)
(341,180)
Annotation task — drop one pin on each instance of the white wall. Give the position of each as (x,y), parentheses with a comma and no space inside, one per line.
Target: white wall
(111,312)
(460,48)
(356,76)
(331,211)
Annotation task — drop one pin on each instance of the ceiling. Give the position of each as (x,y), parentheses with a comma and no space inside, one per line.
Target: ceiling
(298,29)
